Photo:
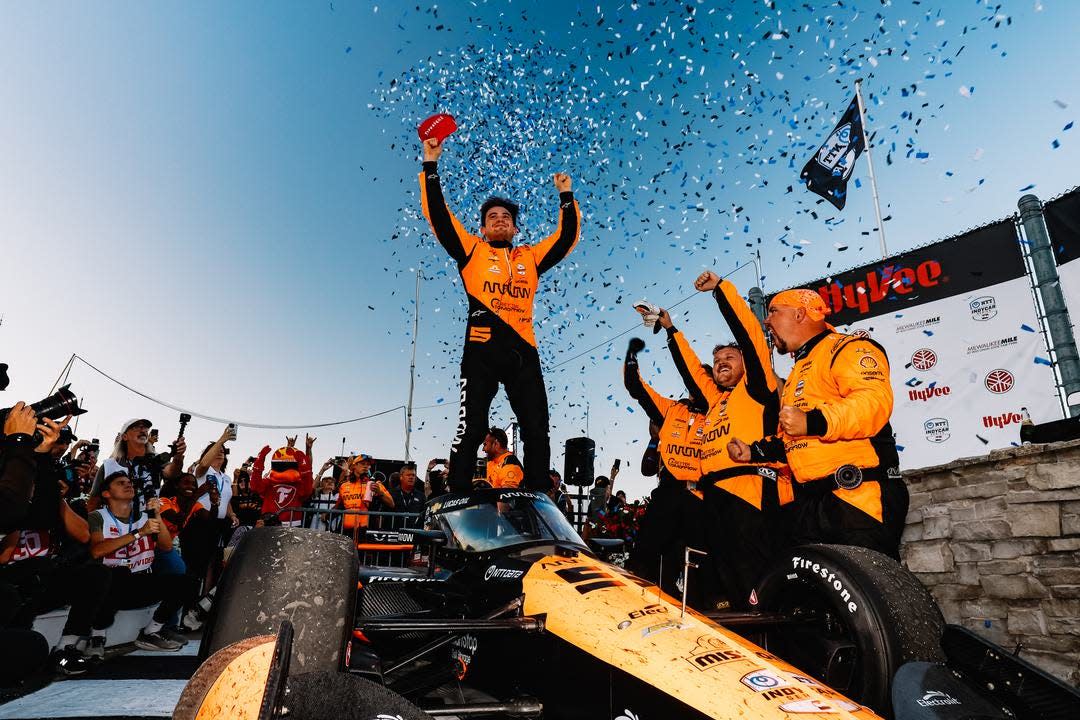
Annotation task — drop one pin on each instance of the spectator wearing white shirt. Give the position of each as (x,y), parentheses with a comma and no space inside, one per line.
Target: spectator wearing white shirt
(211,471)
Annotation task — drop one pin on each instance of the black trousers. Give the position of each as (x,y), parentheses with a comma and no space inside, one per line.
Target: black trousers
(819,516)
(41,585)
(516,365)
(672,521)
(129,590)
(742,540)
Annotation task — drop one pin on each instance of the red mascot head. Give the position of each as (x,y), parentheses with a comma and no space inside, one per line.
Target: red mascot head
(285,467)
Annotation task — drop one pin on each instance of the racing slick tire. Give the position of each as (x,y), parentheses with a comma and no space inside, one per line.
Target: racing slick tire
(283,573)
(867,617)
(341,696)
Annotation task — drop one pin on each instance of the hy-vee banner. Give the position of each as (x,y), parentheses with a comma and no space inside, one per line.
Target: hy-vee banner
(958,321)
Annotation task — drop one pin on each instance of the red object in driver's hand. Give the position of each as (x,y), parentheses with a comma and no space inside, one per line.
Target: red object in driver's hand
(437,126)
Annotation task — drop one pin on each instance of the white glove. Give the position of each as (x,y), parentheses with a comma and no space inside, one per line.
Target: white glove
(650,313)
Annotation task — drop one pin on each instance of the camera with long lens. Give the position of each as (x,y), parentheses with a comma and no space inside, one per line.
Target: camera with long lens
(57,406)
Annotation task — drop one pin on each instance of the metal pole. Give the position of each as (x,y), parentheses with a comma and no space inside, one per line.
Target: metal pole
(870,165)
(412,368)
(1049,287)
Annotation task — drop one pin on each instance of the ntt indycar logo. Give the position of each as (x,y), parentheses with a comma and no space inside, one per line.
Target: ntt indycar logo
(983,308)
(936,430)
(829,577)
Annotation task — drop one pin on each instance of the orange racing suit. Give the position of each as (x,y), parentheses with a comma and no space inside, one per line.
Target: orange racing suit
(500,345)
(743,529)
(848,485)
(505,471)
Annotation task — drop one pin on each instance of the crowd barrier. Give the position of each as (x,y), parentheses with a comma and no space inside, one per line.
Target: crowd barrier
(381,538)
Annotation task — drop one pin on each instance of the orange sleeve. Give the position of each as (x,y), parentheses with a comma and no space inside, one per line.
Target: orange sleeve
(698,382)
(744,325)
(560,243)
(861,372)
(450,233)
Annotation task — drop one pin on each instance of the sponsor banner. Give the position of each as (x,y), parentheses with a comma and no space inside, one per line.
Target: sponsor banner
(959,388)
(959,266)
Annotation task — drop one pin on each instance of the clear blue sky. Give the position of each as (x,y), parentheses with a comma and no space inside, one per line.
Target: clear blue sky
(217,203)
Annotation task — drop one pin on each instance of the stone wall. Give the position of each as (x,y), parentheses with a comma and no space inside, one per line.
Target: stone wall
(996,540)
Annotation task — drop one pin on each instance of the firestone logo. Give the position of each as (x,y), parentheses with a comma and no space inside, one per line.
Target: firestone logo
(861,294)
(931,392)
(983,308)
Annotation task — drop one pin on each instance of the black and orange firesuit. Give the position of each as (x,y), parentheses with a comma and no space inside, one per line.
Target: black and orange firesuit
(672,518)
(500,281)
(848,486)
(743,529)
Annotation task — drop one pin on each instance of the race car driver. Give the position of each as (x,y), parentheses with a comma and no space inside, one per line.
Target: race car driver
(742,527)
(834,431)
(500,280)
(672,518)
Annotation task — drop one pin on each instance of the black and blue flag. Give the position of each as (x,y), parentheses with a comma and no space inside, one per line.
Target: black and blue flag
(828,171)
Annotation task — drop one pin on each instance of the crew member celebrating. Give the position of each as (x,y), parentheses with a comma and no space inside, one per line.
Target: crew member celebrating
(500,281)
(742,529)
(672,518)
(503,469)
(357,493)
(834,431)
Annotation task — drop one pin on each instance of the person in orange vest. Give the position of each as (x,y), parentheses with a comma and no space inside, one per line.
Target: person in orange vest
(833,431)
(503,468)
(357,493)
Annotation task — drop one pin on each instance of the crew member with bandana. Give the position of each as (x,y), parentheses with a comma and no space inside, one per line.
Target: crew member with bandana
(500,280)
(834,431)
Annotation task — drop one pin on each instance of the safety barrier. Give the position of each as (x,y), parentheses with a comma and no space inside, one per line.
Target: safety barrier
(381,538)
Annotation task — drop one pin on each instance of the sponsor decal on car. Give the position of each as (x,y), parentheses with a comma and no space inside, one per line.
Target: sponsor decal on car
(497,573)
(936,698)
(763,680)
(983,308)
(936,430)
(628,715)
(648,610)
(402,578)
(388,536)
(711,652)
(799,563)
(819,706)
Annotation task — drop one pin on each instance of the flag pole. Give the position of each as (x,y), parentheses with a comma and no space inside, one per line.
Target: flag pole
(870,164)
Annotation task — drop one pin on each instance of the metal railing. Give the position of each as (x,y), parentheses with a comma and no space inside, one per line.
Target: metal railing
(381,538)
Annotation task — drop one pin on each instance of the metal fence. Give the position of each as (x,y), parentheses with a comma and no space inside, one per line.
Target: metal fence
(382,538)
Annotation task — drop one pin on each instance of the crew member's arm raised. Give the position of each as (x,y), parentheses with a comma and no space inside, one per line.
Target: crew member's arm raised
(448,230)
(654,404)
(698,382)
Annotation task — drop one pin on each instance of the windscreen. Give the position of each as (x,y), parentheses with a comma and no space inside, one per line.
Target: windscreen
(493,520)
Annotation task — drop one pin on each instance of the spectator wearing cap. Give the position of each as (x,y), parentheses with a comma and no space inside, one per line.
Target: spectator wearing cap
(132,455)
(357,493)
(124,539)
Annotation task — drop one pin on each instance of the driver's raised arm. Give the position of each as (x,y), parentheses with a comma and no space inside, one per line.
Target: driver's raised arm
(448,230)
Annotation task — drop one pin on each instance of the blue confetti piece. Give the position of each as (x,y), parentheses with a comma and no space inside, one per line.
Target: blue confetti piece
(1026,328)
(921,155)
(1055,144)
(900,448)
(928,333)
(1026,188)
(1067,127)
(1041,361)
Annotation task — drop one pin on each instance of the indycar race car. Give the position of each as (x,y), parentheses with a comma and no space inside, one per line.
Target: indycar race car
(506,612)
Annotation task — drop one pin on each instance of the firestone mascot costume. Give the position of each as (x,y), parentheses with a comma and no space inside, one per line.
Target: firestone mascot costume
(288,484)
